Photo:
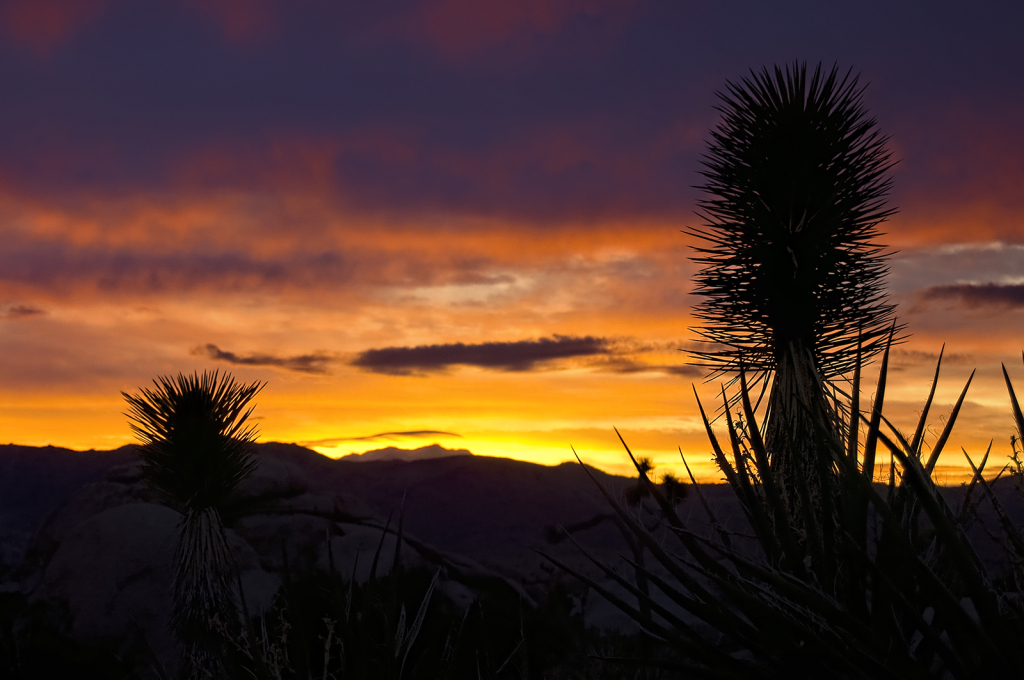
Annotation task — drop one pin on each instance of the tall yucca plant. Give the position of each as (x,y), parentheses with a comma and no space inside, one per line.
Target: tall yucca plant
(195,444)
(792,279)
(839,579)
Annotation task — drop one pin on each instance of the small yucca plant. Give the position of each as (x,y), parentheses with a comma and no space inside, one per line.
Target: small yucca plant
(195,445)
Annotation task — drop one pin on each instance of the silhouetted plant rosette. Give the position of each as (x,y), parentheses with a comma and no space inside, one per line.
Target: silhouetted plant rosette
(796,177)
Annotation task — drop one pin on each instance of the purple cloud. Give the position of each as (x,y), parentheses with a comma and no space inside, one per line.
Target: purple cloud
(303,363)
(983,294)
(22,311)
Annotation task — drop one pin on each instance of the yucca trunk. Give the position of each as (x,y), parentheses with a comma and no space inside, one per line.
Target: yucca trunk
(800,435)
(205,604)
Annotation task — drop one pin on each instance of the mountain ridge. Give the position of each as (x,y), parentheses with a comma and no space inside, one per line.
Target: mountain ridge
(427,452)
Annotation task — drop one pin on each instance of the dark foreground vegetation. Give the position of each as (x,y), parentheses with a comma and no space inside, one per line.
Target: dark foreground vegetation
(327,622)
(397,627)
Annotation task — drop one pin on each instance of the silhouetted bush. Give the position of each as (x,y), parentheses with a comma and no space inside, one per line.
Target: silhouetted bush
(324,624)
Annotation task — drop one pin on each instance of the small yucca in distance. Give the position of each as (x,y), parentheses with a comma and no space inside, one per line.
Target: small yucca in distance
(195,445)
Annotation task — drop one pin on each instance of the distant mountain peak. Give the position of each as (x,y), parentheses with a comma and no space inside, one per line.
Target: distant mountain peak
(395,453)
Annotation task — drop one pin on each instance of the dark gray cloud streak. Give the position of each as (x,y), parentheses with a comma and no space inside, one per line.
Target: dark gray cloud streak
(522,355)
(984,294)
(303,363)
(62,267)
(602,354)
(625,364)
(913,357)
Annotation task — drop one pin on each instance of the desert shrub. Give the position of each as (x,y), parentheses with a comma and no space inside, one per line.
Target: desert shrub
(326,625)
(323,625)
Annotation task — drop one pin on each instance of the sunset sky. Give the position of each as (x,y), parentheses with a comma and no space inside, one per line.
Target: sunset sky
(460,221)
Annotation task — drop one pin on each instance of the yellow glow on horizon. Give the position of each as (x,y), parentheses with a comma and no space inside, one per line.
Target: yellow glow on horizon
(534,417)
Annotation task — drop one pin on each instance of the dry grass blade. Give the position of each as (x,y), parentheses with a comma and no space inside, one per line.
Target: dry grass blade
(409,637)
(773,495)
(380,546)
(1018,417)
(647,623)
(871,443)
(1009,528)
(723,462)
(899,436)
(669,617)
(853,427)
(712,517)
(975,478)
(940,443)
(397,561)
(915,444)
(656,549)
(652,488)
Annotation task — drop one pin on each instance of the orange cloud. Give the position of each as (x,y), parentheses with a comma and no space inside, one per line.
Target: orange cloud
(301,246)
(42,25)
